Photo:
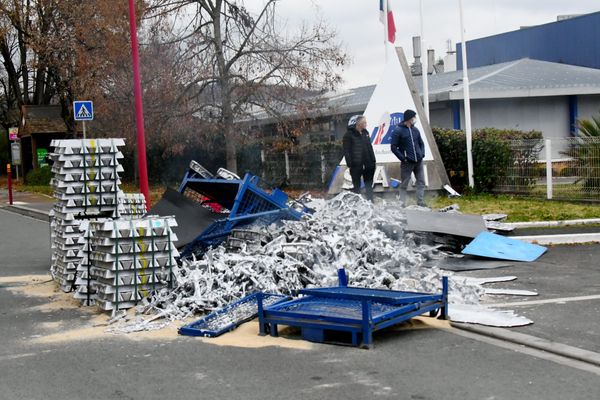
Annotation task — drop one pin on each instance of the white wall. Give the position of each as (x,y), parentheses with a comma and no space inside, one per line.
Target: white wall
(588,106)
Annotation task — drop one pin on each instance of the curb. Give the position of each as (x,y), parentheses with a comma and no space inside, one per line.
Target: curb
(29,212)
(553,224)
(560,349)
(574,238)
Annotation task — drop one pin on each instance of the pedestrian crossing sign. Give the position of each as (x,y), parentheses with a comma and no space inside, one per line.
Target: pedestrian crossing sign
(83,110)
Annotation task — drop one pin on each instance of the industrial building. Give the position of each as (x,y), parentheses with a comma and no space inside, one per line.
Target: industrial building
(528,89)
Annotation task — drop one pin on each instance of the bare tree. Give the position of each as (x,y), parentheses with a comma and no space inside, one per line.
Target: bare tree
(54,50)
(245,62)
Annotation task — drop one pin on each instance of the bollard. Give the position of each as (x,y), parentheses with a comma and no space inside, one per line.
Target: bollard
(9,174)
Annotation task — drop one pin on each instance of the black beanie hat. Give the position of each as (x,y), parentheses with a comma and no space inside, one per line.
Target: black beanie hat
(408,114)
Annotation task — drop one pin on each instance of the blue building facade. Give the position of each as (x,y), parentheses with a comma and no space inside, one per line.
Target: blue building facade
(574,41)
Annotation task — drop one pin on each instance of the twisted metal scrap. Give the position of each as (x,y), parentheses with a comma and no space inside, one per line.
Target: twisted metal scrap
(346,231)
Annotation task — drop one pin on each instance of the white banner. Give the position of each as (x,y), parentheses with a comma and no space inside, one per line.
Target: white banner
(389,100)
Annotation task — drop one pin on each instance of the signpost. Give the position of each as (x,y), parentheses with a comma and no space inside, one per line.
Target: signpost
(15,155)
(83,111)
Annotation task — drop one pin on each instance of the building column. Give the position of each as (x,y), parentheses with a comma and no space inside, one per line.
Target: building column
(456,114)
(573,115)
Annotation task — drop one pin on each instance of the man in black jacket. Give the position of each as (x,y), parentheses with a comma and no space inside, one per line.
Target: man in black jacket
(409,147)
(359,154)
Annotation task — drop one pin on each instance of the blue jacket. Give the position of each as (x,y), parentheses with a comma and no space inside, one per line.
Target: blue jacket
(407,143)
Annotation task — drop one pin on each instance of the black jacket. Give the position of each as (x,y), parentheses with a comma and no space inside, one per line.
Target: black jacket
(358,150)
(407,143)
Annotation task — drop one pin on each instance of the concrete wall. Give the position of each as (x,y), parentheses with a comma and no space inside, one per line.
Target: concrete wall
(440,115)
(550,115)
(588,106)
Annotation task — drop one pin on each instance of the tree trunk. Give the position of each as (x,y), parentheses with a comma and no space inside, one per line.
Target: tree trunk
(225,84)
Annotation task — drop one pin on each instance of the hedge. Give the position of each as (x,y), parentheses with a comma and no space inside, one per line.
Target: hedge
(492,154)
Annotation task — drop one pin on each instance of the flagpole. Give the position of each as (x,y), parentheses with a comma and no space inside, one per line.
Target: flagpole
(425,65)
(385,28)
(467,100)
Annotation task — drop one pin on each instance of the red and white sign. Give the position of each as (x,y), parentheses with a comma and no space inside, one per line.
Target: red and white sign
(13,133)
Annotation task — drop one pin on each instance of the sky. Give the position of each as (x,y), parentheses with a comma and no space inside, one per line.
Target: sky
(361,34)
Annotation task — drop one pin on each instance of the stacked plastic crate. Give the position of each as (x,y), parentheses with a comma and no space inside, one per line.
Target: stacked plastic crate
(86,186)
(131,259)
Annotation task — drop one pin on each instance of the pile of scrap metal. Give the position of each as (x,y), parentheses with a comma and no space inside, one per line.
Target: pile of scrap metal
(209,207)
(239,253)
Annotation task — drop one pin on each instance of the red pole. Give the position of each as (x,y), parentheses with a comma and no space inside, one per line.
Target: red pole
(9,175)
(139,108)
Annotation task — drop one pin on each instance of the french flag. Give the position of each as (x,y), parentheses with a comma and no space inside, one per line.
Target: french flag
(391,26)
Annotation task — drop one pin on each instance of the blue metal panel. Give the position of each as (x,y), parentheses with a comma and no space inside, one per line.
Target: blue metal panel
(490,245)
(456,114)
(233,314)
(379,295)
(573,114)
(573,41)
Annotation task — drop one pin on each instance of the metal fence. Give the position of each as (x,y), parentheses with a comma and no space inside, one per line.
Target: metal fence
(302,168)
(562,169)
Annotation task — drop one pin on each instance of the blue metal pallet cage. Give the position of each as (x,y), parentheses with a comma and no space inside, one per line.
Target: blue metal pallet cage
(229,317)
(246,201)
(358,311)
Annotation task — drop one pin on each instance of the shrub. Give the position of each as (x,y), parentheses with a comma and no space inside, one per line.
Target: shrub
(39,177)
(586,153)
(494,152)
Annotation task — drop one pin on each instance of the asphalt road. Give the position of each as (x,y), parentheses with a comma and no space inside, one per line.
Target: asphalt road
(404,364)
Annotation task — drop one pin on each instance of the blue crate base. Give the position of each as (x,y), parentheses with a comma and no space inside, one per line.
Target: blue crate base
(229,317)
(355,313)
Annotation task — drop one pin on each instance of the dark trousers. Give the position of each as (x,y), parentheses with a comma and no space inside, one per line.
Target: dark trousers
(407,168)
(366,172)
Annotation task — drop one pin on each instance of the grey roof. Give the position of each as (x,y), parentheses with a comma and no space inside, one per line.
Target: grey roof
(521,78)
(514,79)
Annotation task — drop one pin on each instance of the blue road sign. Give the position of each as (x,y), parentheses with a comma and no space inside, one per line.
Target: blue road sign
(83,110)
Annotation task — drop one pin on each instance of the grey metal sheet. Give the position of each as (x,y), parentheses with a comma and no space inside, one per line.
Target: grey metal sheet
(452,224)
(192,218)
(469,263)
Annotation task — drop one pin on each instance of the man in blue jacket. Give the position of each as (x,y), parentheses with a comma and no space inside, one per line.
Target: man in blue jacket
(409,147)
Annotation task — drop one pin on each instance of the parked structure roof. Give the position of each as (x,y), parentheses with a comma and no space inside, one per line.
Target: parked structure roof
(514,79)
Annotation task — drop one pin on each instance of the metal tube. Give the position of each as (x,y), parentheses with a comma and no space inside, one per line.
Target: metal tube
(425,65)
(385,29)
(467,99)
(139,108)
(10,191)
(549,169)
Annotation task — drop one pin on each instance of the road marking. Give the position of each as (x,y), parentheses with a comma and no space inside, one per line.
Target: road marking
(16,356)
(547,301)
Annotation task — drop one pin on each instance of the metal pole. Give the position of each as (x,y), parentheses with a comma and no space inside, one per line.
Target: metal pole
(10,191)
(84,134)
(385,28)
(467,99)
(549,169)
(425,65)
(139,109)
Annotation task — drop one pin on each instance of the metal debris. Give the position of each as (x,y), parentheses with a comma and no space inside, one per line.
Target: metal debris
(347,231)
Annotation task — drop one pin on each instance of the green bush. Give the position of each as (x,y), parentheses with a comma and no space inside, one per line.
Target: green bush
(493,154)
(586,153)
(39,177)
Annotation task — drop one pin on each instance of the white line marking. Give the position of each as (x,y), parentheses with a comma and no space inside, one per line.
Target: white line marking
(547,301)
(16,356)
